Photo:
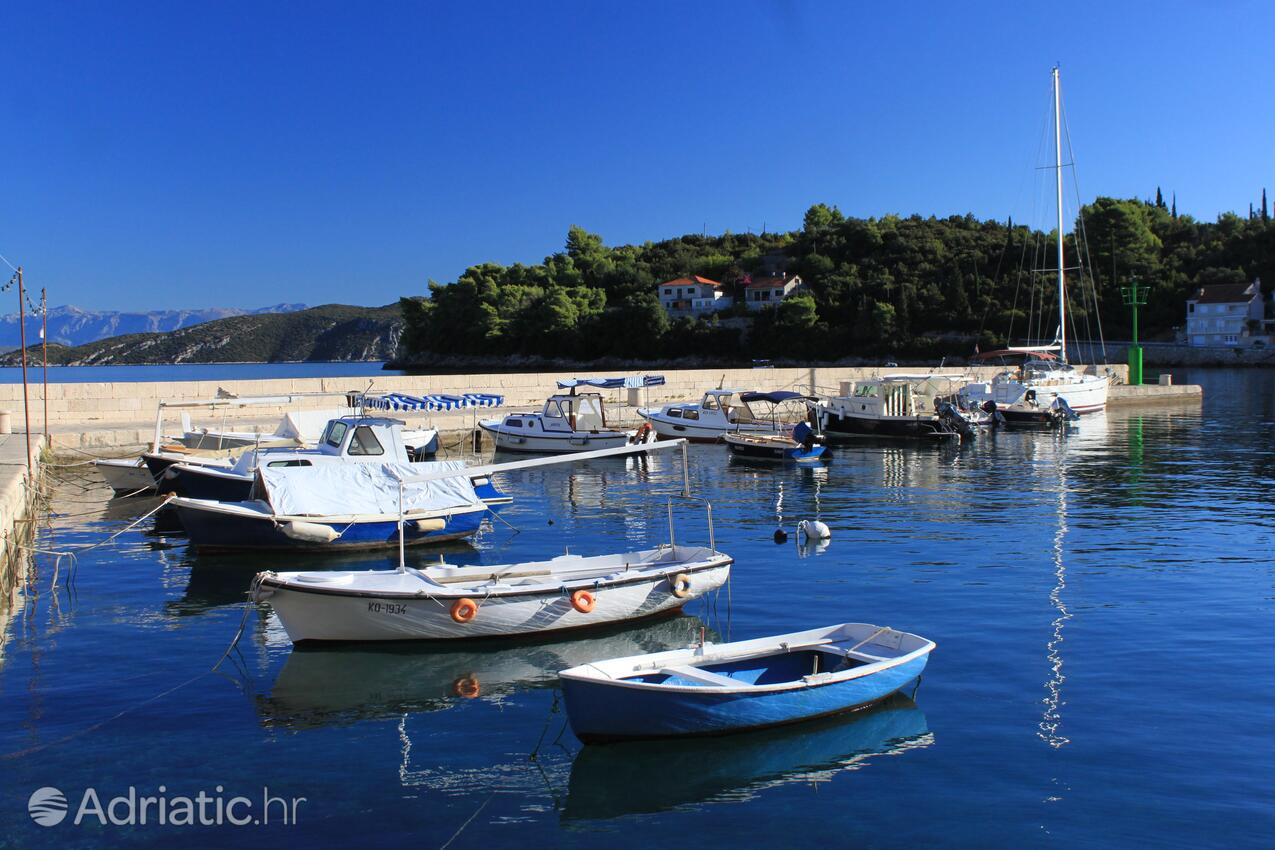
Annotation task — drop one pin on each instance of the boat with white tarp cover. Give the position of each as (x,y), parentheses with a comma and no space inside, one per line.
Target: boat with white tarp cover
(337,506)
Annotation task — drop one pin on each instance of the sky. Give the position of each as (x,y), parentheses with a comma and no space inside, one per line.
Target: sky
(182,155)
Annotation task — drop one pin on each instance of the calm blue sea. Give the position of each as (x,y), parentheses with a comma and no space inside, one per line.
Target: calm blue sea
(192,372)
(1102,602)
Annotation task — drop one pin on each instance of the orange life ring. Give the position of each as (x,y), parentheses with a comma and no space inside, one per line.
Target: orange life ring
(583,601)
(464,610)
(467,686)
(681,584)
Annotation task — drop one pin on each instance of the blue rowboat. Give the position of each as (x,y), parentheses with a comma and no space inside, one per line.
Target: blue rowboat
(212,525)
(715,689)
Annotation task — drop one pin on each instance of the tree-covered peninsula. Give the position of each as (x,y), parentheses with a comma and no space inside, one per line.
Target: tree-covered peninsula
(921,287)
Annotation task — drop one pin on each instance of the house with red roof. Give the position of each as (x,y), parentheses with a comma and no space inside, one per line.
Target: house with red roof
(1226,314)
(770,291)
(693,295)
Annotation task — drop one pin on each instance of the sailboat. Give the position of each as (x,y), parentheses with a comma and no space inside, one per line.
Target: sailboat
(1045,389)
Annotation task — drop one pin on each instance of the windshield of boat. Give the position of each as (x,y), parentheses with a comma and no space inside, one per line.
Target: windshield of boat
(335,433)
(364,442)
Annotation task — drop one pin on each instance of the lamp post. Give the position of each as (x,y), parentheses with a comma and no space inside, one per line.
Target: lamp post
(1134,296)
(22,327)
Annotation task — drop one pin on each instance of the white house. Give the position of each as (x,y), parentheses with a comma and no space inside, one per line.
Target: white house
(693,295)
(1226,314)
(770,291)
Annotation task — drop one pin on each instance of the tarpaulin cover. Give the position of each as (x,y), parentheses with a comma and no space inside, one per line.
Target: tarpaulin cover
(334,489)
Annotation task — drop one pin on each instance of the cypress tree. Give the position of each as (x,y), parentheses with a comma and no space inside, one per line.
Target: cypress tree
(1265,215)
(1159,198)
(1174,211)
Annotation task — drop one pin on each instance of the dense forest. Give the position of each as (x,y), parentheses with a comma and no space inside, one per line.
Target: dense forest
(919,287)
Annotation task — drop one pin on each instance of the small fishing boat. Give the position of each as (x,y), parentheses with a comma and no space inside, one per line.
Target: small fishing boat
(798,446)
(345,439)
(716,415)
(448,602)
(574,422)
(337,507)
(714,689)
(126,476)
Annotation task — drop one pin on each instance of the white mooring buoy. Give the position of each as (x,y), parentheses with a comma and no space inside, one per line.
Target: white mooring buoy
(813,529)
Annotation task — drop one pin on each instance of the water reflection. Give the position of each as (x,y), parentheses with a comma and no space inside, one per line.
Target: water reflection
(339,686)
(641,777)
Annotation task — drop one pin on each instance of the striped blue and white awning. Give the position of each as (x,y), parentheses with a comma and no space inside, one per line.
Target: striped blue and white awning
(629,382)
(429,403)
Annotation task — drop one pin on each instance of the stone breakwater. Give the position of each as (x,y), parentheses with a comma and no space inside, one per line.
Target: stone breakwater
(122,414)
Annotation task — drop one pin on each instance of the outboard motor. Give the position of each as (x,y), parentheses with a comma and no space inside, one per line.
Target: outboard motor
(805,435)
(1062,407)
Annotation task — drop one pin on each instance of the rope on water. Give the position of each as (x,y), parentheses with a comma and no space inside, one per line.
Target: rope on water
(515,528)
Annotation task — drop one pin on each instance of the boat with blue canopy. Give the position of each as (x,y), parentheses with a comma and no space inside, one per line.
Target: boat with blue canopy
(715,689)
(719,413)
(800,445)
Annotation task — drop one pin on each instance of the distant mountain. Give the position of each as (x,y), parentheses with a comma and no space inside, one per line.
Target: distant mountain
(70,325)
(330,332)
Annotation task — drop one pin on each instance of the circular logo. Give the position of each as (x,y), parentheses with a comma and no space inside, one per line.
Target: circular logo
(47,806)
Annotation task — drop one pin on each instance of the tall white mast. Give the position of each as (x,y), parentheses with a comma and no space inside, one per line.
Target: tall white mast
(1062,282)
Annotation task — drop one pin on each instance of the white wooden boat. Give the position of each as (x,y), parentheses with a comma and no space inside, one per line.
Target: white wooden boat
(125,475)
(573,422)
(717,414)
(449,602)
(712,689)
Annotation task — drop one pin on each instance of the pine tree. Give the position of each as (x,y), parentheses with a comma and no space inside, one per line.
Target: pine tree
(1159,198)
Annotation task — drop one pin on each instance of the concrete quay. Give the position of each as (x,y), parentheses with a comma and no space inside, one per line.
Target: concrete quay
(114,418)
(16,505)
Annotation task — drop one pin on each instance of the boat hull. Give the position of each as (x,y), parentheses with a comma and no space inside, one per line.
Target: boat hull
(755,451)
(668,429)
(601,712)
(545,444)
(318,615)
(212,530)
(838,427)
(126,476)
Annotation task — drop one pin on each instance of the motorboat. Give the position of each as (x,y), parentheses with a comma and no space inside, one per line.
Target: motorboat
(568,422)
(909,407)
(718,413)
(713,689)
(338,506)
(345,439)
(799,445)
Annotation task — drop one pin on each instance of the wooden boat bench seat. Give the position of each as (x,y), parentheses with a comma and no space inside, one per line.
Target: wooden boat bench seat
(704,677)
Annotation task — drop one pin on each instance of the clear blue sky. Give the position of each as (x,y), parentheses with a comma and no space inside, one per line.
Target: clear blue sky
(224,154)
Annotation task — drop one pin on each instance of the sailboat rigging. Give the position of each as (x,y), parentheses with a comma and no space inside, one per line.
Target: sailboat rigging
(1045,389)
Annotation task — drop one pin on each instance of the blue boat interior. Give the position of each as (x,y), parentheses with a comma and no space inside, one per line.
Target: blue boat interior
(762,670)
